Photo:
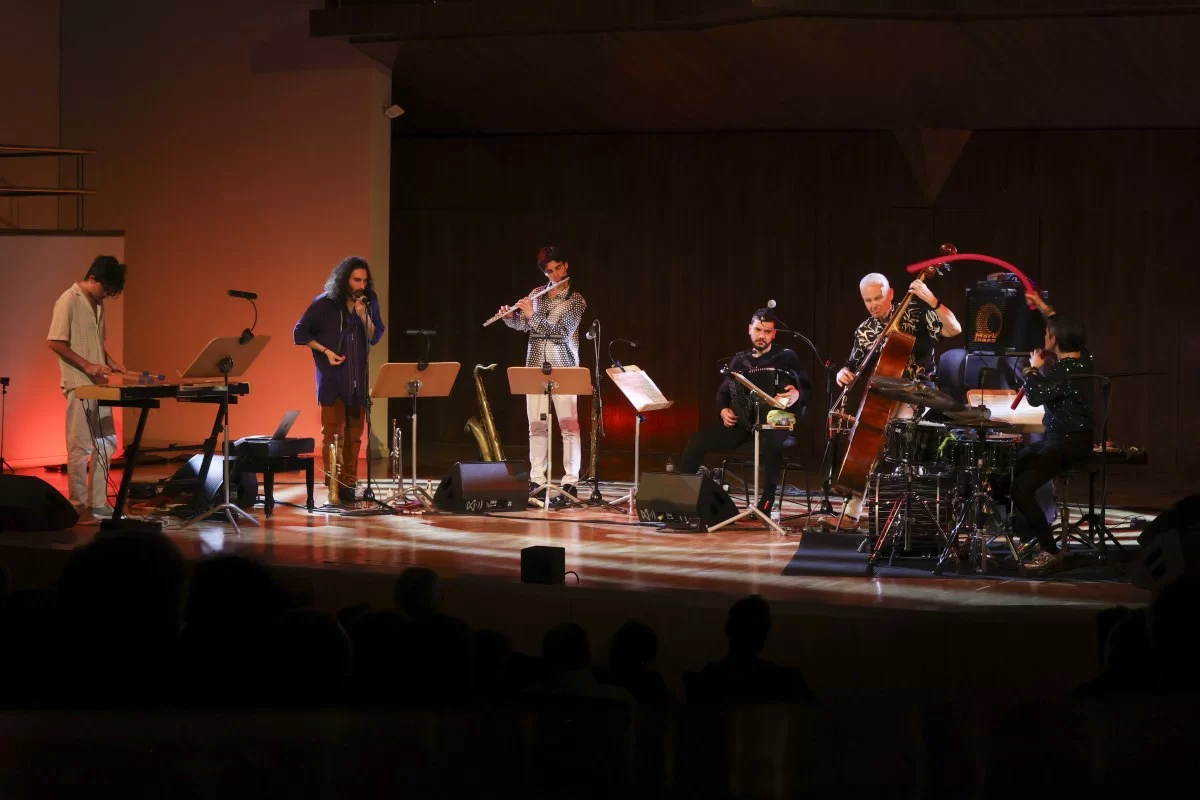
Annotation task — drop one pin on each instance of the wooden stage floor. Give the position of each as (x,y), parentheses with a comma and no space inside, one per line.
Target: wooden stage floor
(604,549)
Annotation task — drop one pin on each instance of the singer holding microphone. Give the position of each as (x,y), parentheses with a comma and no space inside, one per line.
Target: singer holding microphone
(552,321)
(779,368)
(340,326)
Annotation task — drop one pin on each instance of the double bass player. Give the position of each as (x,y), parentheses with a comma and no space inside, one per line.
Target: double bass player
(923,321)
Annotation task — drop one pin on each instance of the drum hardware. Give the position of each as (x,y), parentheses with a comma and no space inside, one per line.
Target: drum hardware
(914,393)
(900,516)
(978,459)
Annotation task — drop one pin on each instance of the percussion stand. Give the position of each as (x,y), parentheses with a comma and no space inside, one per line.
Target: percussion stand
(752,510)
(893,530)
(973,519)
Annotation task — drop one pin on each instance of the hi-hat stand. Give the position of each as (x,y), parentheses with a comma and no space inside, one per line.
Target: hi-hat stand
(900,517)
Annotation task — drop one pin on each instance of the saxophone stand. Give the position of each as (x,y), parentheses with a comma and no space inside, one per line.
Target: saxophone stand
(752,510)
(546,380)
(415,380)
(218,358)
(644,396)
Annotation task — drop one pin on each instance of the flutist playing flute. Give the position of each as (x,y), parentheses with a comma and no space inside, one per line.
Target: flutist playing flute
(554,317)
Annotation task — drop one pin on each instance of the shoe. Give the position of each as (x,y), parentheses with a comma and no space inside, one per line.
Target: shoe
(767,501)
(87,518)
(1043,562)
(103,512)
(346,496)
(558,501)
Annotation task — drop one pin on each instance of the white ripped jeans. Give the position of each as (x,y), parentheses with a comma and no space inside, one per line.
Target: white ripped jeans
(90,433)
(566,408)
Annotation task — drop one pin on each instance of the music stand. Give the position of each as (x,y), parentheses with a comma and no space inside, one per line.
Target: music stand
(408,379)
(643,395)
(221,358)
(759,397)
(540,380)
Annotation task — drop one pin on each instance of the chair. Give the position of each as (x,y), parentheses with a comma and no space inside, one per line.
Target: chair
(1096,469)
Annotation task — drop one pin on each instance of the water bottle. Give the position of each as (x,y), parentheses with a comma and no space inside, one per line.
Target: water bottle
(670,465)
(775,515)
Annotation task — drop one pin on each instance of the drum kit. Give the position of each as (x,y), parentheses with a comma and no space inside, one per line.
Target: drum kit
(930,491)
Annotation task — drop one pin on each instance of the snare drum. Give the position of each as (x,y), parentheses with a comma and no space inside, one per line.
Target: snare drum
(994,454)
(923,442)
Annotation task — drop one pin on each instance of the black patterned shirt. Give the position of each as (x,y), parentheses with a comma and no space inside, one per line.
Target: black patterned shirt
(919,320)
(557,319)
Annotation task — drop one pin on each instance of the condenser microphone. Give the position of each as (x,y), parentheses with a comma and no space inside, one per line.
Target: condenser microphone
(247,295)
(420,333)
(591,334)
(770,304)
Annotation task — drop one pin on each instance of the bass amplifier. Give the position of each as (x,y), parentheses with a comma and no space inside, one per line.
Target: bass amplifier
(999,322)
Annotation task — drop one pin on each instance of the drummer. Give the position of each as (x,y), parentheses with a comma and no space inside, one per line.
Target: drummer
(926,318)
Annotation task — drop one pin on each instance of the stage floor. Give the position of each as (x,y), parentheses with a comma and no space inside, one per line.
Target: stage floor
(605,549)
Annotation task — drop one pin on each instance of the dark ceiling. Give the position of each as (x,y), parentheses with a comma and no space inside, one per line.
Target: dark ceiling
(545,66)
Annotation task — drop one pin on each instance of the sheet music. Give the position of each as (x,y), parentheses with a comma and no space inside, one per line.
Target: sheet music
(641,391)
(769,399)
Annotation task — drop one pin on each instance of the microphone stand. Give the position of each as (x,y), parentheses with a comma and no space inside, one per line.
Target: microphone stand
(827,457)
(596,499)
(382,507)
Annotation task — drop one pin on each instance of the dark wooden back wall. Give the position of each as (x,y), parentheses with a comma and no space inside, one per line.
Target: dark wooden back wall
(675,239)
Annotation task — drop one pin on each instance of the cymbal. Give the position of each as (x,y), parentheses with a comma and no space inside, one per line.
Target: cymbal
(916,393)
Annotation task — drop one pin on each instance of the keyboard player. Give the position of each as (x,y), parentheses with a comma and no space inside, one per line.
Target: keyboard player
(77,337)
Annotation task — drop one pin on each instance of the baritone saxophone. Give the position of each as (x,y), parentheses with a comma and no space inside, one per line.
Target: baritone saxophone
(483,427)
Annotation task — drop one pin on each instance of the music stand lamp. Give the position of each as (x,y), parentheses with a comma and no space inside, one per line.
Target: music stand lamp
(224,357)
(546,380)
(415,380)
(758,397)
(632,381)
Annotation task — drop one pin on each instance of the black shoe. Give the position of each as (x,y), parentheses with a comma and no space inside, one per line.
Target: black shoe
(346,495)
(767,501)
(561,502)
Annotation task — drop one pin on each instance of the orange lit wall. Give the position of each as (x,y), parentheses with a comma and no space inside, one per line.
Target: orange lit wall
(235,152)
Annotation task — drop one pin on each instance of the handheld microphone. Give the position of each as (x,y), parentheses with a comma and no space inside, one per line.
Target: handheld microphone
(246,295)
(591,334)
(771,303)
(420,333)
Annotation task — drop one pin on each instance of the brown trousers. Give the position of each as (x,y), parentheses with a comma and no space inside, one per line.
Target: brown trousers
(347,424)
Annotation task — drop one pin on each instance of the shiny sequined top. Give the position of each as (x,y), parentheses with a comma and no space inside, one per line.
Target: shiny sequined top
(1068,402)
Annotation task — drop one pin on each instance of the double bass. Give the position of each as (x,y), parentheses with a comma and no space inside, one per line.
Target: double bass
(890,354)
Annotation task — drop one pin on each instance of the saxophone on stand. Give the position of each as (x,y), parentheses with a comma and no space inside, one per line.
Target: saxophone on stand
(483,428)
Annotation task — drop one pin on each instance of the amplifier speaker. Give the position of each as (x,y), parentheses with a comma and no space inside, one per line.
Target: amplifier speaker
(689,502)
(481,486)
(999,322)
(30,504)
(542,564)
(242,493)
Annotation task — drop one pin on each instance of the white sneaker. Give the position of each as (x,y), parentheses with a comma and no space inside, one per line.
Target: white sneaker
(103,512)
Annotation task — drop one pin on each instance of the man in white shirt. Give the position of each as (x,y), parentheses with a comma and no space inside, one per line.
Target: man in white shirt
(77,336)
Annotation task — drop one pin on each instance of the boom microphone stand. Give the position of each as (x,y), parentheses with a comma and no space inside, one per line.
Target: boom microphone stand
(828,457)
(596,499)
(381,506)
